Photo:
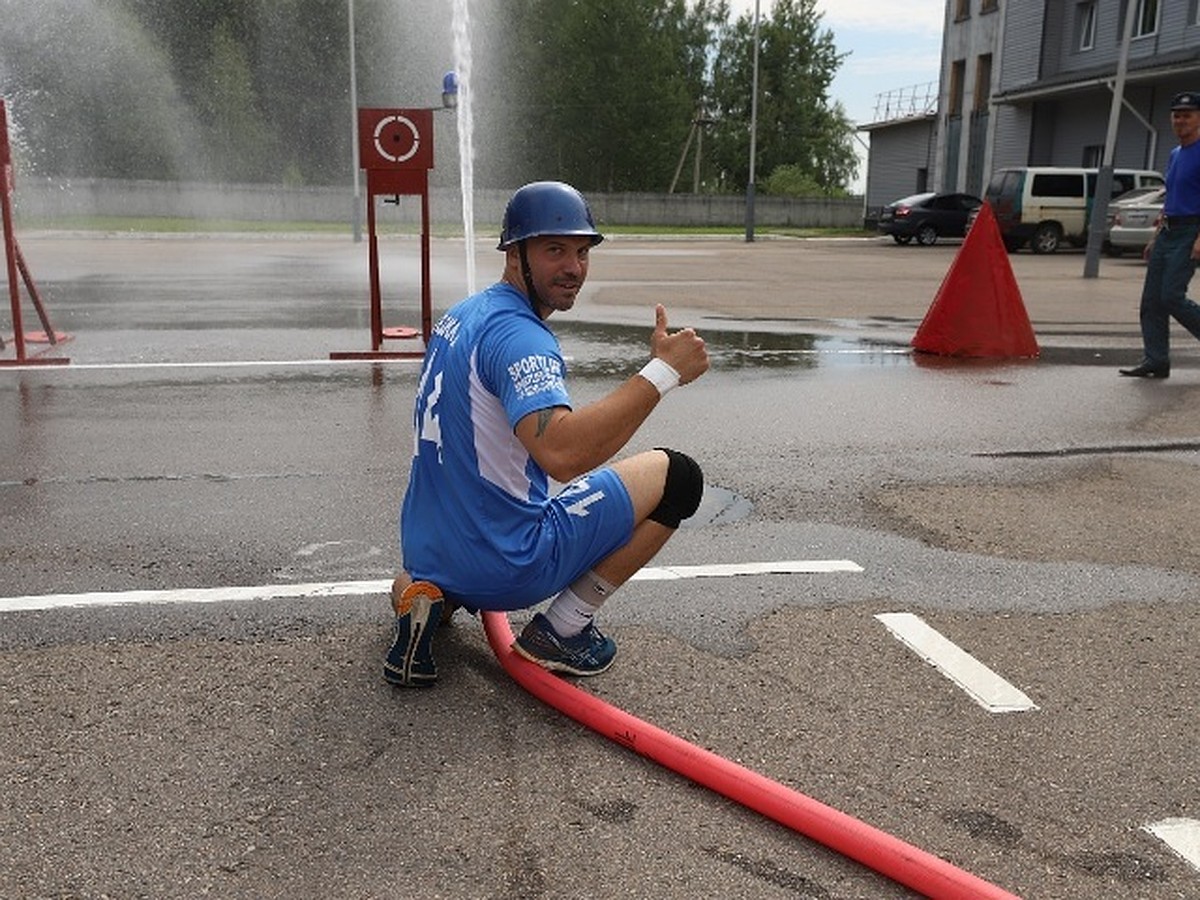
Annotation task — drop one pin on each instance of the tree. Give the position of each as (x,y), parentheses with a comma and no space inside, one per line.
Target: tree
(229,108)
(109,109)
(604,93)
(601,93)
(798,126)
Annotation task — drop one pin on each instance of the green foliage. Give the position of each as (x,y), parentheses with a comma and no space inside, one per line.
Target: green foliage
(796,125)
(791,180)
(229,110)
(602,93)
(112,112)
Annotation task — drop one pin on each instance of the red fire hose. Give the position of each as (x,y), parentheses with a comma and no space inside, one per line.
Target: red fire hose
(890,856)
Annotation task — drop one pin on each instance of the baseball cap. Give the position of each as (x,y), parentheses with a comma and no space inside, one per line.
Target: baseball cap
(1186,100)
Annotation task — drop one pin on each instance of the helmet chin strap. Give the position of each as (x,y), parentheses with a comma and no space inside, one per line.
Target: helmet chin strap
(534,300)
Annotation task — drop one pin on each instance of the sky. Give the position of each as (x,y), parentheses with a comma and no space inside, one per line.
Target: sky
(891,45)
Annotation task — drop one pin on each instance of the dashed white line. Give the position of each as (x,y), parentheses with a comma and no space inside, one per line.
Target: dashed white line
(1181,835)
(983,685)
(242,594)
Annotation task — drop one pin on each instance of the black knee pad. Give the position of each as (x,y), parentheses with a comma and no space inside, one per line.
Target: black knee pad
(682,492)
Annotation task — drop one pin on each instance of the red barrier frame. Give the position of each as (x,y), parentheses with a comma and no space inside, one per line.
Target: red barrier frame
(14,261)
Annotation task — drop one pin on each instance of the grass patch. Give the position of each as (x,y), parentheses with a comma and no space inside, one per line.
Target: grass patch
(733,231)
(172,225)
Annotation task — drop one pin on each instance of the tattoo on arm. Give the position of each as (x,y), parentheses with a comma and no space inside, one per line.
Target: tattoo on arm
(543,421)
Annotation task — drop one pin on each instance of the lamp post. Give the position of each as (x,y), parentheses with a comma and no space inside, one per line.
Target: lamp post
(753,133)
(356,218)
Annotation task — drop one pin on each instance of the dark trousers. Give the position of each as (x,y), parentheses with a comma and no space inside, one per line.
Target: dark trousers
(1164,292)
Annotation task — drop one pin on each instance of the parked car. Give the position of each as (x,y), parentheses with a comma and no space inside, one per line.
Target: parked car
(1132,218)
(1043,206)
(927,217)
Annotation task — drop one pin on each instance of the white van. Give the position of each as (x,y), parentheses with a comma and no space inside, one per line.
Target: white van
(1043,206)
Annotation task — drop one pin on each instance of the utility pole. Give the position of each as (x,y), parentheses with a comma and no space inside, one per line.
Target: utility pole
(695,132)
(1104,180)
(753,133)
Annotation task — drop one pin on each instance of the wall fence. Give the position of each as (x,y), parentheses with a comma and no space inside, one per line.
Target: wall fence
(47,200)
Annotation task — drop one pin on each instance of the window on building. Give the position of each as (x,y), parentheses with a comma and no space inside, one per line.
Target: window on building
(958,70)
(962,10)
(987,6)
(1145,18)
(1085,24)
(983,82)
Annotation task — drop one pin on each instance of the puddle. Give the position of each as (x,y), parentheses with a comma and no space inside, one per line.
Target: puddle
(611,350)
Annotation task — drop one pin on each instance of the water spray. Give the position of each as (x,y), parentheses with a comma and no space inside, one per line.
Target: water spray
(466,131)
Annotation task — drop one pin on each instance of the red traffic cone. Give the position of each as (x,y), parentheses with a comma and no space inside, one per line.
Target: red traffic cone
(978,310)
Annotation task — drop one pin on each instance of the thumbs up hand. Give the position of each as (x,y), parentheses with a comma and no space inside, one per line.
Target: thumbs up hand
(683,351)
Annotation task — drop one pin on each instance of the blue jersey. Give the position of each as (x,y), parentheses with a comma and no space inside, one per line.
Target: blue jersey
(1183,181)
(477,518)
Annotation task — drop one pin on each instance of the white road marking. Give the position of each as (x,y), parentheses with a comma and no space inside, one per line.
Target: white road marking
(197,595)
(1181,835)
(358,588)
(210,364)
(719,570)
(983,685)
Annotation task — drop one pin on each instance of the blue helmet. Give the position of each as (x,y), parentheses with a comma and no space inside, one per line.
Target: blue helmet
(545,208)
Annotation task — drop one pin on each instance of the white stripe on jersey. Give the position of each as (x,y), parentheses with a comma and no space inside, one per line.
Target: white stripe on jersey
(502,458)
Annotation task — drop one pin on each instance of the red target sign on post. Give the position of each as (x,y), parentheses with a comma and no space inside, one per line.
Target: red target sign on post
(395,139)
(395,147)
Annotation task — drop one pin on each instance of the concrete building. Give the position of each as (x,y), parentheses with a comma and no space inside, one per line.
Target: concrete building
(1031,82)
(902,159)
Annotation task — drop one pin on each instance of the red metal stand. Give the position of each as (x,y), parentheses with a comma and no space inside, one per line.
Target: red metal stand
(395,147)
(14,261)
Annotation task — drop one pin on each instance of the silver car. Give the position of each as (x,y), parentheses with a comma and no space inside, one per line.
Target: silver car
(1132,218)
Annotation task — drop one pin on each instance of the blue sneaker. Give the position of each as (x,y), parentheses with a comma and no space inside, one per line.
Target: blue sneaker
(586,653)
(410,660)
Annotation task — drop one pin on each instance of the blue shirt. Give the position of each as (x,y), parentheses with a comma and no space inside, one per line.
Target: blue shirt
(1183,181)
(475,496)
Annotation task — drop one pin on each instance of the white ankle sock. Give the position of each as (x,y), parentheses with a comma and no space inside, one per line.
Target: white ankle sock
(569,613)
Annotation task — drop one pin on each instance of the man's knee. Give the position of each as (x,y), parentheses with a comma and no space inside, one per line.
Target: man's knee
(682,492)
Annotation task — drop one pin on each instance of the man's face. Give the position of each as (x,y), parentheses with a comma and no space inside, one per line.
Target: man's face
(1186,124)
(558,266)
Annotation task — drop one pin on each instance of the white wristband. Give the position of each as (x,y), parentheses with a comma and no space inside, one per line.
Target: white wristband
(661,375)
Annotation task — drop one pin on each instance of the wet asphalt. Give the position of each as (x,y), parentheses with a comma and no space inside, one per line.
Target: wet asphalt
(201,437)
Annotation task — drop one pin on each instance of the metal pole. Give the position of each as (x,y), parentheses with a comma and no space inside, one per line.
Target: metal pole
(356,216)
(753,133)
(10,238)
(1104,180)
